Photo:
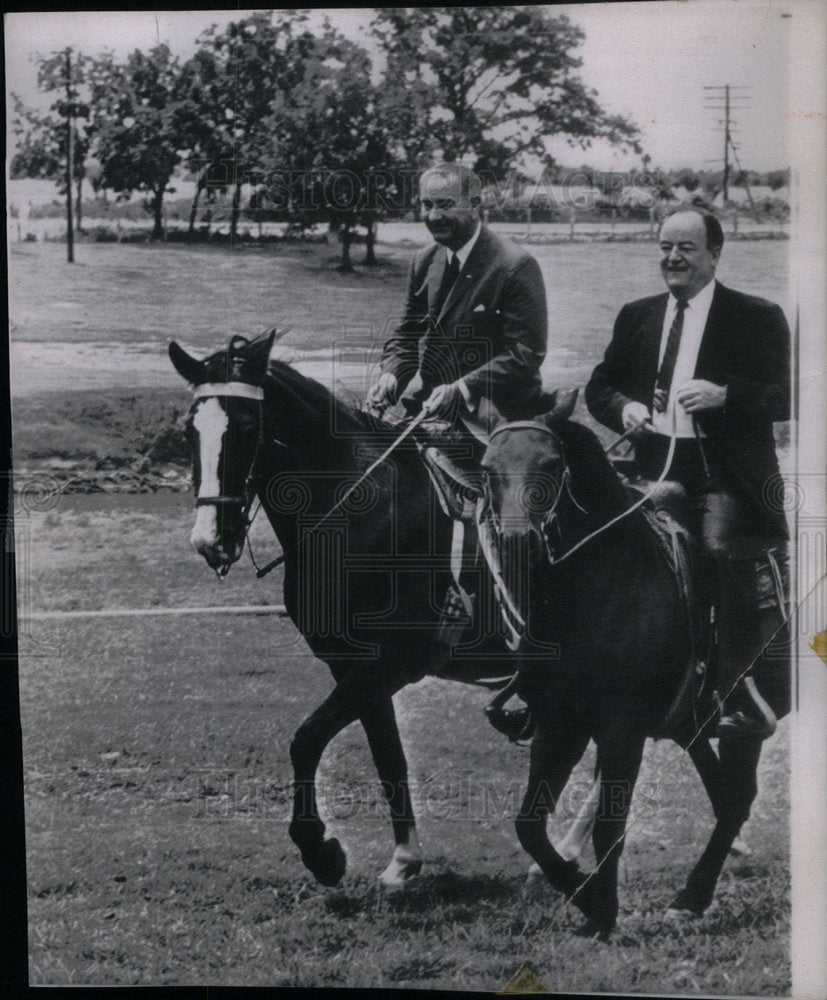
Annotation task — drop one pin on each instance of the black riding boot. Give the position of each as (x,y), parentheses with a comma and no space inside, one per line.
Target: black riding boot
(739,645)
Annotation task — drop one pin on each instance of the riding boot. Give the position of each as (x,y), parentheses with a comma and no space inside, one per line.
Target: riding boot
(743,711)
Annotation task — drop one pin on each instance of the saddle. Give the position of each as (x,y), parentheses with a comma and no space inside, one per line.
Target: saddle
(668,514)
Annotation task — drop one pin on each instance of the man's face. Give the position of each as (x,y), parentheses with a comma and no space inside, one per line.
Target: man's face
(686,263)
(451,218)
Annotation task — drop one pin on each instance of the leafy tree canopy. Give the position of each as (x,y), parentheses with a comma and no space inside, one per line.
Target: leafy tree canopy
(490,82)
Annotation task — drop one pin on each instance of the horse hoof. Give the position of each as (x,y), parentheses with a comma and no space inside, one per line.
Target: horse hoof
(677,917)
(328,865)
(534,875)
(740,849)
(594,930)
(400,872)
(683,907)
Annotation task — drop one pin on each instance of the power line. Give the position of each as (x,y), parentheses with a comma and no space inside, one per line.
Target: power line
(730,100)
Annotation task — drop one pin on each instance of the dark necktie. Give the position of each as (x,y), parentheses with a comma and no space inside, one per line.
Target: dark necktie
(670,356)
(448,279)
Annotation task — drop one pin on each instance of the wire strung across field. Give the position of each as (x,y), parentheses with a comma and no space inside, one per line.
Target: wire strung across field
(242,609)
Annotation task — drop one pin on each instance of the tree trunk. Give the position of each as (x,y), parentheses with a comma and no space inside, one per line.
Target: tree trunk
(235,212)
(157,212)
(370,243)
(79,203)
(202,180)
(345,264)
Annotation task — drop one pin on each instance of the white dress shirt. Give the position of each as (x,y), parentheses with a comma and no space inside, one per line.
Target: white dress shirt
(465,249)
(694,323)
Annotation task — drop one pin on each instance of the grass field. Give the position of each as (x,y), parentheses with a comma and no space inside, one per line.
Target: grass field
(156,749)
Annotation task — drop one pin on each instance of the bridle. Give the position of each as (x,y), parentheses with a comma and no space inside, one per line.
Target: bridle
(244,500)
(550,517)
(551,514)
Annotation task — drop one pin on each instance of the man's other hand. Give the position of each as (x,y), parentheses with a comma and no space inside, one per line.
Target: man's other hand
(443,399)
(636,416)
(698,394)
(382,393)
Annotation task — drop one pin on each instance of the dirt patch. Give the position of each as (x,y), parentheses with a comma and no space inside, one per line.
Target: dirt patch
(102,441)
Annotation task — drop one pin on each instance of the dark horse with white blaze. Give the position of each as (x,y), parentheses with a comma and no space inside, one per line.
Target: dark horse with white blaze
(365,575)
(364,585)
(601,590)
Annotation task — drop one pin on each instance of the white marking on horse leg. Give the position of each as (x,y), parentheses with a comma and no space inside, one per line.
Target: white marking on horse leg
(573,846)
(405,863)
(210,421)
(740,848)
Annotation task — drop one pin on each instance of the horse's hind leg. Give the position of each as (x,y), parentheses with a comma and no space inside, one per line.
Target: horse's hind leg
(553,756)
(578,836)
(738,788)
(618,763)
(386,748)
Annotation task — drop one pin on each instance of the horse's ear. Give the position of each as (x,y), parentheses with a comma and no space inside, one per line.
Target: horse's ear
(258,353)
(562,402)
(187,367)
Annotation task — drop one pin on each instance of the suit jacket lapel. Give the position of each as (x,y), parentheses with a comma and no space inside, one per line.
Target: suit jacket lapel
(652,333)
(466,275)
(710,345)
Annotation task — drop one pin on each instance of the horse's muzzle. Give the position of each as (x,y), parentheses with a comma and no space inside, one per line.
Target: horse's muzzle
(220,557)
(220,547)
(522,548)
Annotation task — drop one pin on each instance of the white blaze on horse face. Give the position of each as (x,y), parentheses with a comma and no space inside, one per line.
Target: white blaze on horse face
(211,423)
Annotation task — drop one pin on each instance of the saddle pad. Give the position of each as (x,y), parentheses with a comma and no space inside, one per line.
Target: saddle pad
(457,492)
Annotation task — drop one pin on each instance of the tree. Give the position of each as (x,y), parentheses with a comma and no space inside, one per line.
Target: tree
(205,124)
(492,82)
(41,137)
(331,135)
(137,105)
(257,62)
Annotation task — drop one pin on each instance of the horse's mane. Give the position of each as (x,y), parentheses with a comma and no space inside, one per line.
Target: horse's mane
(594,481)
(308,404)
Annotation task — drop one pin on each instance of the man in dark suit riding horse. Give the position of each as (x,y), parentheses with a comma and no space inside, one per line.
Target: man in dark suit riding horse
(467,351)
(710,366)
(473,334)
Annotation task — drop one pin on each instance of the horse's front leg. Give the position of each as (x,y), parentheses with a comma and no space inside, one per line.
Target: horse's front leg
(382,732)
(618,763)
(553,756)
(738,767)
(356,688)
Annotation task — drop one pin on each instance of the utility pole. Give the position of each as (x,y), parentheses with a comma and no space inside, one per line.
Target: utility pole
(70,239)
(726,144)
(724,99)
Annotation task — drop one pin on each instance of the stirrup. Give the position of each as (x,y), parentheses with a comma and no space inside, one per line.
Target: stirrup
(516,724)
(762,722)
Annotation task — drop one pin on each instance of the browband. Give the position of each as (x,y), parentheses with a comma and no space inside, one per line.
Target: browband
(243,389)
(514,425)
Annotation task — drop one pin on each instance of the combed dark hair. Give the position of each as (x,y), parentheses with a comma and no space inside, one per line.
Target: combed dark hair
(470,185)
(714,232)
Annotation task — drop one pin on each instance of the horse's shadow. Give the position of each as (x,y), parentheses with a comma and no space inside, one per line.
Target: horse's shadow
(462,897)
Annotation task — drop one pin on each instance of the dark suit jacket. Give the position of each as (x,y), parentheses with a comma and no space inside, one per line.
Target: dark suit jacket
(490,329)
(745,346)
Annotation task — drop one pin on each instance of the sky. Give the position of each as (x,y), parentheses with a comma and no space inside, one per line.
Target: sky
(647,61)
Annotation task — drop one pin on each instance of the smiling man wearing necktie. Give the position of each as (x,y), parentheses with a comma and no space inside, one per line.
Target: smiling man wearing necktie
(473,334)
(711,366)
